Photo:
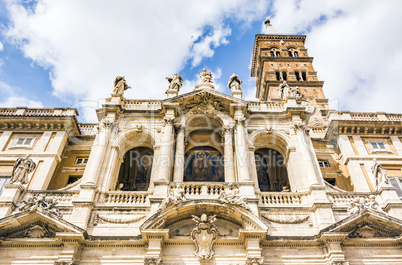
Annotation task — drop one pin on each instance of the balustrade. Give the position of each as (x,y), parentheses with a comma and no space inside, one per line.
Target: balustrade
(282,199)
(129,198)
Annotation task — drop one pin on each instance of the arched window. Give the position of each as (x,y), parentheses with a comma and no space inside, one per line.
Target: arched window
(296,54)
(203,163)
(135,171)
(284,76)
(304,76)
(271,170)
(275,52)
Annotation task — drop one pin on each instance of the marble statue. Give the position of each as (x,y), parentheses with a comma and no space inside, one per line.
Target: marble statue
(206,77)
(234,83)
(22,168)
(120,85)
(175,82)
(380,174)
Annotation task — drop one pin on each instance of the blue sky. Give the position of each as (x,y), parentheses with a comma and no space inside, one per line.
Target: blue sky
(67,53)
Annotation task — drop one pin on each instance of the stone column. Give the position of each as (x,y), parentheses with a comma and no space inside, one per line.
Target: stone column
(165,161)
(305,153)
(179,157)
(228,154)
(241,152)
(96,156)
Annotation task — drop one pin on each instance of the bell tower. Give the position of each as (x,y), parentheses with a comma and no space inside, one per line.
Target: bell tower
(282,57)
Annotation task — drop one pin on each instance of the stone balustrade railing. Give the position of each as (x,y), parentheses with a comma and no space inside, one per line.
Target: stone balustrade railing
(282,199)
(124,198)
(196,190)
(343,199)
(63,198)
(38,112)
(364,116)
(88,128)
(266,106)
(143,104)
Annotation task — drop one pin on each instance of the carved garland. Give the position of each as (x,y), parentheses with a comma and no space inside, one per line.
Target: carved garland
(293,220)
(116,220)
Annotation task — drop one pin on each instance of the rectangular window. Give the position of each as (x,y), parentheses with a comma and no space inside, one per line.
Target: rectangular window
(378,146)
(324,163)
(81,161)
(3,181)
(24,142)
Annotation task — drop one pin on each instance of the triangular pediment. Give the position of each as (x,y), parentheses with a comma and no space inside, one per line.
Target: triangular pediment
(367,224)
(36,224)
(205,99)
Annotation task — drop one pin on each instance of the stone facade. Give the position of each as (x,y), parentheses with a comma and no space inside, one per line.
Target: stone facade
(204,177)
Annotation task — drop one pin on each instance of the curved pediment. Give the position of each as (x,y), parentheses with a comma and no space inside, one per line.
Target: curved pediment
(230,219)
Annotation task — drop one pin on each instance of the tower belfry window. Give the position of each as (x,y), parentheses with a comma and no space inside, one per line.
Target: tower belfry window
(284,76)
(304,76)
(278,76)
(297,76)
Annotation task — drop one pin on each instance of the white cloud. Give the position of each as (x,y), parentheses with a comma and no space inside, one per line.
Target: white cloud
(1,46)
(86,44)
(12,97)
(355,45)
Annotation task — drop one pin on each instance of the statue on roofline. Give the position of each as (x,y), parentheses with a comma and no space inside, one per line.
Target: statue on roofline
(120,85)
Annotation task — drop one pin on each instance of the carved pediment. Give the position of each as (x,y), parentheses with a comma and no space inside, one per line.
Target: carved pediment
(205,101)
(35,224)
(367,224)
(36,229)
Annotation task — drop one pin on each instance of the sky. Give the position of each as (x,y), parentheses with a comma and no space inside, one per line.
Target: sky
(56,53)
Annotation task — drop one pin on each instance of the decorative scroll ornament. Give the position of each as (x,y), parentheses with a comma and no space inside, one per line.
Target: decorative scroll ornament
(380,174)
(176,196)
(358,204)
(204,235)
(255,261)
(152,261)
(230,196)
(22,167)
(46,204)
(120,85)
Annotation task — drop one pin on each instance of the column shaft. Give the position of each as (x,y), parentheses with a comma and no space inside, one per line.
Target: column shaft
(228,156)
(179,157)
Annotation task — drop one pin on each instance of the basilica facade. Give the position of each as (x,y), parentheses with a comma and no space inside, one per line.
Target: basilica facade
(204,177)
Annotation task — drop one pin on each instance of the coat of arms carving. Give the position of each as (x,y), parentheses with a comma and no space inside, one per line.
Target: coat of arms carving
(204,235)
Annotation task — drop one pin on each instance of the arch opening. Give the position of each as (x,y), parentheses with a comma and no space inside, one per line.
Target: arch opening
(135,171)
(203,163)
(271,170)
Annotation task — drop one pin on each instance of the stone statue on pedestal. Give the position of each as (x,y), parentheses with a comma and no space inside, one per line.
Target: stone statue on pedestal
(234,83)
(120,85)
